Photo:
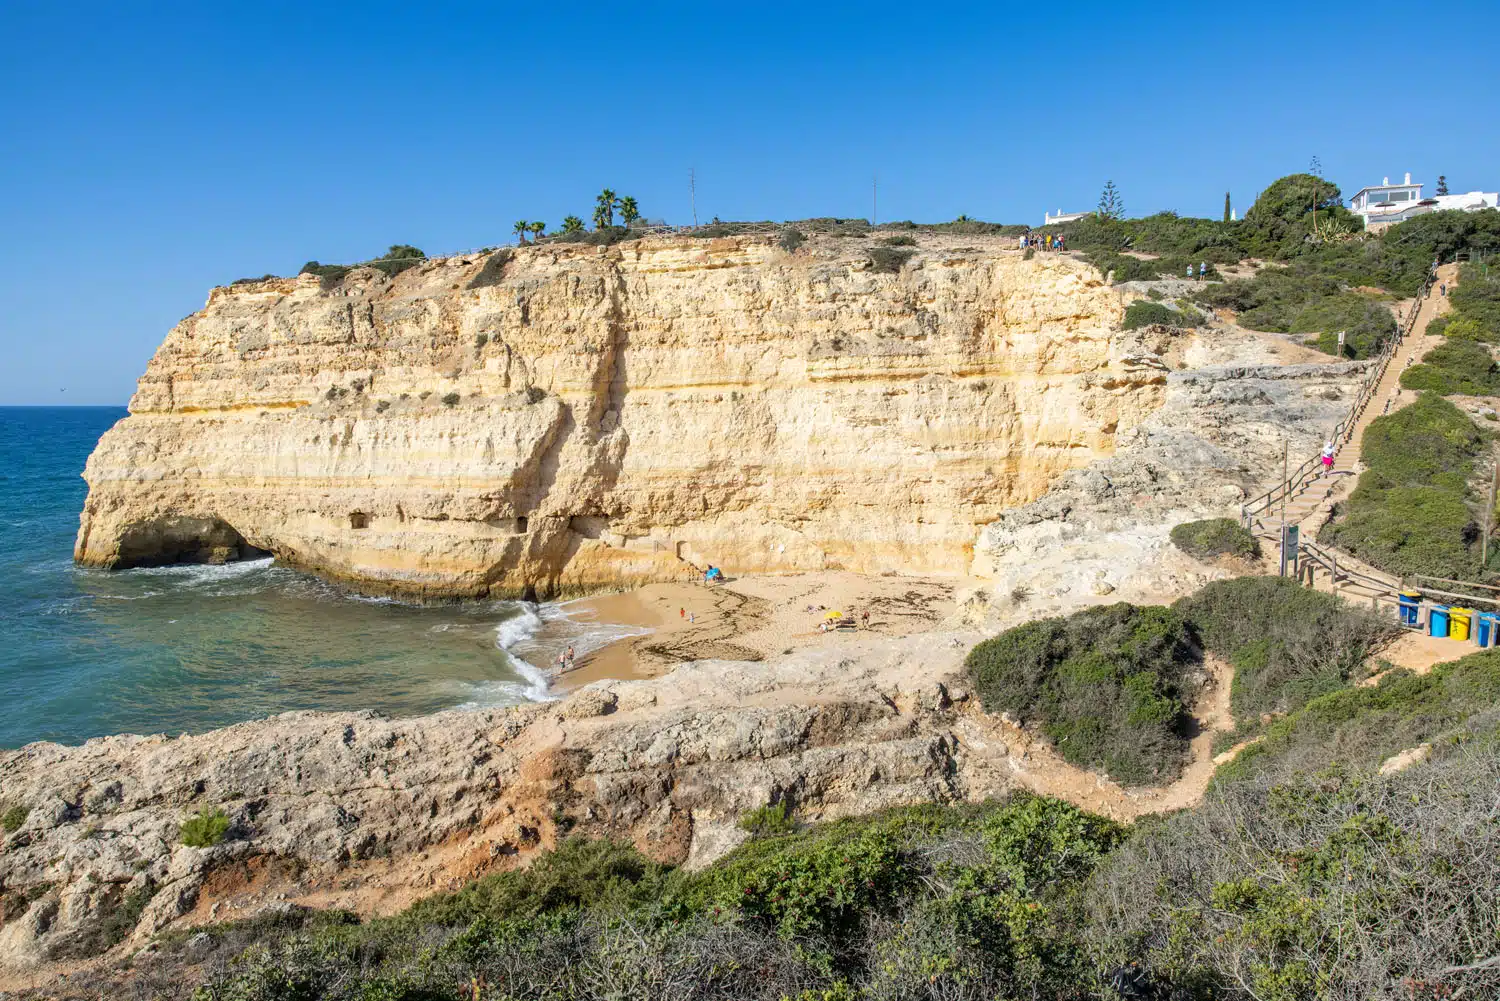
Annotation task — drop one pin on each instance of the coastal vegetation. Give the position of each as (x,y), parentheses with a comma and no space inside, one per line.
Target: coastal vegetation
(1309,870)
(1411,510)
(1106,685)
(1457,366)
(205,829)
(1143,313)
(1214,537)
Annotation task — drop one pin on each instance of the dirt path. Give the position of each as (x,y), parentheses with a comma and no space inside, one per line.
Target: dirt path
(1312,506)
(1309,507)
(1036,765)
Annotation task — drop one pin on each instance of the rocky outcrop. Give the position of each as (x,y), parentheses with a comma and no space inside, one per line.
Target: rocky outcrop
(355,810)
(562,418)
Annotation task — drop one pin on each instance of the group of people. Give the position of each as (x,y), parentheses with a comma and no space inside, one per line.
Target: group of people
(565,661)
(1044,241)
(1202,271)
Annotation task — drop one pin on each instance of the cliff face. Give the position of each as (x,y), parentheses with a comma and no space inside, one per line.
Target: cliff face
(560,418)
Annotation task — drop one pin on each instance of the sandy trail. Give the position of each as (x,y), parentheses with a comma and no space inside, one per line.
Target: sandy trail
(763,618)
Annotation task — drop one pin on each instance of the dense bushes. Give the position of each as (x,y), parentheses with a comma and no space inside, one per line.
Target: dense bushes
(1458,366)
(1303,874)
(1409,512)
(888,260)
(399,258)
(1476,306)
(1286,301)
(957,901)
(1287,643)
(1143,313)
(1309,882)
(1125,268)
(1105,684)
(1214,537)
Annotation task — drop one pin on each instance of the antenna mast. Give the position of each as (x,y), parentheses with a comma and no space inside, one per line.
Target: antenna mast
(693,193)
(874,200)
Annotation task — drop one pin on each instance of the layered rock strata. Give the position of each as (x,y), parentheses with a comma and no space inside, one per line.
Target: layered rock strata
(563,418)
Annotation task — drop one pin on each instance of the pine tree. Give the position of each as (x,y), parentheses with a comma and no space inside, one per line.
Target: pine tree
(1226,206)
(1442,187)
(1111,205)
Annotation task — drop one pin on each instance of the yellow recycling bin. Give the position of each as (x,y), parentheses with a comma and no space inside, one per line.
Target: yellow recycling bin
(1458,623)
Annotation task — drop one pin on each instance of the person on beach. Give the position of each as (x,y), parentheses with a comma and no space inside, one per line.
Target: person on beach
(864,618)
(1327,457)
(682,613)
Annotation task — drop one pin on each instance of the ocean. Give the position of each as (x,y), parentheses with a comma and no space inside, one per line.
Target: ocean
(85,653)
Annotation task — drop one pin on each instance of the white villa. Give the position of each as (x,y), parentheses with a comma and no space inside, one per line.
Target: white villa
(1385,204)
(1048,219)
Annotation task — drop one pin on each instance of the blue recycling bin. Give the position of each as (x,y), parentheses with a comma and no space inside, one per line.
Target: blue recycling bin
(1484,629)
(1437,621)
(1409,602)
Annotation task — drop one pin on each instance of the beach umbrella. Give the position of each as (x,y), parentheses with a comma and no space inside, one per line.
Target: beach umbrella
(834,615)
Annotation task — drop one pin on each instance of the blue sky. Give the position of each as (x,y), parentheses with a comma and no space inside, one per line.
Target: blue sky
(151,151)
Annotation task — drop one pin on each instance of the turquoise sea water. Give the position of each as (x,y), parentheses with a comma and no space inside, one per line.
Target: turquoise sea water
(84,653)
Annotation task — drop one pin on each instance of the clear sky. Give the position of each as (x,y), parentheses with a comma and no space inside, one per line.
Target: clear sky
(149,151)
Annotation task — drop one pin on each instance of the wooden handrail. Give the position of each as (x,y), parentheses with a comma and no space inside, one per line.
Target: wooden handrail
(1344,429)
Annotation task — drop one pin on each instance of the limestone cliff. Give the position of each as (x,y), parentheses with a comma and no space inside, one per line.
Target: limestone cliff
(559,418)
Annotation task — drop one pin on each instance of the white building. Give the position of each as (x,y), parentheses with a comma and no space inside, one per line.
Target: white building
(1385,204)
(1054,220)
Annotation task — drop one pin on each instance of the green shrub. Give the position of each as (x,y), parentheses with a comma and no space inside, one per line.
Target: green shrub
(766,820)
(1409,513)
(888,261)
(330,274)
(898,241)
(1476,298)
(1213,537)
(791,239)
(581,874)
(1361,726)
(450,399)
(206,829)
(1104,684)
(1028,254)
(1456,366)
(399,258)
(254,281)
(1142,313)
(14,817)
(1287,643)
(1300,301)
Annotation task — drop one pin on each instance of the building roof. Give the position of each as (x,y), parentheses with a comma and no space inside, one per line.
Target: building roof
(1385,187)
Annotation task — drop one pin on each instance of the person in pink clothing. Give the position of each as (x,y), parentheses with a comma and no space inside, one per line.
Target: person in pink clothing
(1327,457)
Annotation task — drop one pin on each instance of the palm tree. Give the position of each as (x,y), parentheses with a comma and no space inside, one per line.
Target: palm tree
(537,229)
(572,224)
(628,210)
(521,228)
(604,208)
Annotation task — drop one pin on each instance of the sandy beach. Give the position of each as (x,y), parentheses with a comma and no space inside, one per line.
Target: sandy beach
(753,617)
